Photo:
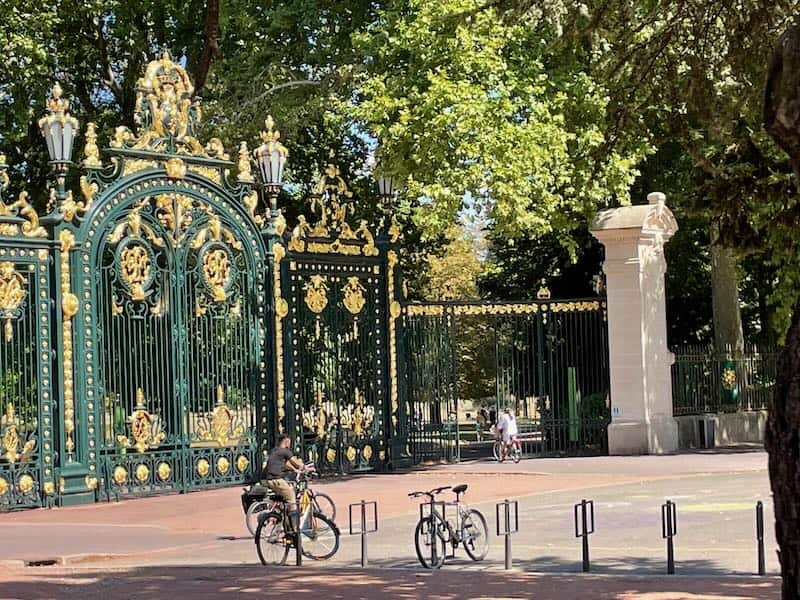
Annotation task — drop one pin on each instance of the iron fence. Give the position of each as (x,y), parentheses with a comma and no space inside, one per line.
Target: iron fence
(707,381)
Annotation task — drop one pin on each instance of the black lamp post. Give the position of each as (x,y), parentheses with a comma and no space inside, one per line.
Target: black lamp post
(271,157)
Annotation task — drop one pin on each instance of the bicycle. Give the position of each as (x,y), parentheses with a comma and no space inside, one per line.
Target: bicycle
(255,502)
(276,534)
(515,451)
(434,532)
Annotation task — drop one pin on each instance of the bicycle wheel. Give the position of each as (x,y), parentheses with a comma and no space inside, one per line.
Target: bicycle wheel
(497,451)
(320,537)
(271,543)
(324,504)
(429,543)
(255,510)
(476,534)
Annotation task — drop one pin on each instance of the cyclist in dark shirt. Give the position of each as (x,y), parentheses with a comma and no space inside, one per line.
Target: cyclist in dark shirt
(280,464)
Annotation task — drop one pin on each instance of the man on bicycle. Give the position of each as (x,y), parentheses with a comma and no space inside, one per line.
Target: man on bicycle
(507,426)
(280,465)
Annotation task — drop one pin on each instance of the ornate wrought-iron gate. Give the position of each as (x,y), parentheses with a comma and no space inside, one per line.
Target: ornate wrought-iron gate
(158,333)
(339,344)
(548,360)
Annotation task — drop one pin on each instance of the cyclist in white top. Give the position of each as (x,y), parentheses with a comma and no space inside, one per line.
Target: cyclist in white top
(507,425)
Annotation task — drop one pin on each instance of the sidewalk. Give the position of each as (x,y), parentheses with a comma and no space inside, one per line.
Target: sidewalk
(203,533)
(230,582)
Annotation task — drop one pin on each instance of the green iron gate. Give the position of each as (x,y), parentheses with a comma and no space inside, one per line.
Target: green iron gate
(338,341)
(548,360)
(166,264)
(28,427)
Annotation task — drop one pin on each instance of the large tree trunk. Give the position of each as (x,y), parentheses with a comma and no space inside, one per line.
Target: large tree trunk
(782,122)
(728,336)
(783,445)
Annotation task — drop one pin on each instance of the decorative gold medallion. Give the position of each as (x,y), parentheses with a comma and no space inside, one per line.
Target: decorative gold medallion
(367,452)
(223,464)
(217,271)
(241,463)
(91,482)
(146,428)
(120,475)
(382,455)
(12,293)
(142,472)
(203,467)
(163,471)
(176,168)
(351,454)
(3,486)
(316,294)
(26,484)
(49,488)
(728,379)
(330,455)
(354,295)
(135,269)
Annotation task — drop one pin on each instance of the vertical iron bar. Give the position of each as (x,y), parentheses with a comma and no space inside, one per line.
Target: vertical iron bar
(364,559)
(585,537)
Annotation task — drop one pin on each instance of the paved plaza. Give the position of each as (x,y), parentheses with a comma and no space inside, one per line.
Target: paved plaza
(199,540)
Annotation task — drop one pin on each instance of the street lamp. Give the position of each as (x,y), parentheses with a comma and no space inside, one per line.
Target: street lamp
(271,157)
(59,129)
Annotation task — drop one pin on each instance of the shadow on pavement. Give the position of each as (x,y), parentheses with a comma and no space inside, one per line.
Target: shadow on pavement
(207,582)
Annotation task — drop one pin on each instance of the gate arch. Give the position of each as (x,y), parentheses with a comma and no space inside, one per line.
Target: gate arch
(173,386)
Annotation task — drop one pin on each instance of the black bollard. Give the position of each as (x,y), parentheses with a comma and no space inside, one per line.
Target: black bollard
(669,529)
(298,543)
(582,528)
(762,569)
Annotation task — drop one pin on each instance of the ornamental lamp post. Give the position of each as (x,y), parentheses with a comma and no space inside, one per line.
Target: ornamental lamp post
(271,157)
(59,129)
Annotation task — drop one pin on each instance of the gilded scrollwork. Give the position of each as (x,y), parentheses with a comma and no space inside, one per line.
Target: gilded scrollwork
(14,444)
(21,208)
(67,240)
(146,429)
(91,152)
(222,425)
(12,296)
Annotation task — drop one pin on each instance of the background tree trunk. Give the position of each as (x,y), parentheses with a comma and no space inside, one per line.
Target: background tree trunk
(728,336)
(783,445)
(782,122)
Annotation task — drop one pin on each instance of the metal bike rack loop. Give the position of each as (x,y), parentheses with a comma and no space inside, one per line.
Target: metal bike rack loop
(364,526)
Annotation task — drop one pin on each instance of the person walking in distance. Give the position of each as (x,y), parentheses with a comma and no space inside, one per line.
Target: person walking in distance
(281,464)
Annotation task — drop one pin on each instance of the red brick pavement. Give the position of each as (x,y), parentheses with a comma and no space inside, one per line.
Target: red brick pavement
(230,582)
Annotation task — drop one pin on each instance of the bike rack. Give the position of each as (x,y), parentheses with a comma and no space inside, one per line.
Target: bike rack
(762,570)
(365,527)
(669,529)
(510,524)
(587,518)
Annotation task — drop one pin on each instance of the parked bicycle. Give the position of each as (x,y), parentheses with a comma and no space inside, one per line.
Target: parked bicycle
(255,501)
(435,531)
(514,451)
(276,534)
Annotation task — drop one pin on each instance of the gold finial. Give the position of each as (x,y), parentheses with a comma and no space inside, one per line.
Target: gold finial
(270,134)
(220,395)
(9,412)
(91,151)
(57,104)
(139,398)
(245,175)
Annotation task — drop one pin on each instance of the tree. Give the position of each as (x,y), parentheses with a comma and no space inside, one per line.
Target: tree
(782,122)
(468,104)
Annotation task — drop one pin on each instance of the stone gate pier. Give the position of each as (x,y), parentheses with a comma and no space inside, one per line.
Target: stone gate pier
(641,388)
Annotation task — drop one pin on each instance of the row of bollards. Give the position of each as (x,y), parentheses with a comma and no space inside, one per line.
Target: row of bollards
(507,519)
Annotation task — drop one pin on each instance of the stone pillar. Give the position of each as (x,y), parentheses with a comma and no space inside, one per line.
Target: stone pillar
(641,387)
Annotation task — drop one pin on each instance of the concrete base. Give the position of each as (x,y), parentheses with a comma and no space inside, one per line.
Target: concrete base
(723,429)
(637,437)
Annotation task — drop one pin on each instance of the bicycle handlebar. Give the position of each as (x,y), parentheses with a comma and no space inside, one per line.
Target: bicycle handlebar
(431,493)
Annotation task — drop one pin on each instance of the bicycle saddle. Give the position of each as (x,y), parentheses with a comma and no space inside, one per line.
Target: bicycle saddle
(460,489)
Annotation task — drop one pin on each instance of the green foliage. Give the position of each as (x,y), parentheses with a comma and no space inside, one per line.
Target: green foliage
(488,107)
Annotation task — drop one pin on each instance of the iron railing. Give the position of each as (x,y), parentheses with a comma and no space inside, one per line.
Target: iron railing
(707,381)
